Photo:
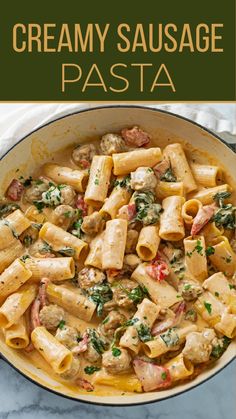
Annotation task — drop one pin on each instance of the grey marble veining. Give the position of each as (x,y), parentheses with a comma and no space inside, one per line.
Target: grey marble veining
(20,399)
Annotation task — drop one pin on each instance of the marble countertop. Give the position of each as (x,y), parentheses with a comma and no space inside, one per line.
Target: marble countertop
(20,399)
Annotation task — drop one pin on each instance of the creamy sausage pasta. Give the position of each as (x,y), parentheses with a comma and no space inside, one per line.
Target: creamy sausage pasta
(117,264)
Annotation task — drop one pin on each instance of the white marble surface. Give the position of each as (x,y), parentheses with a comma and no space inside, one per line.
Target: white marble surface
(20,399)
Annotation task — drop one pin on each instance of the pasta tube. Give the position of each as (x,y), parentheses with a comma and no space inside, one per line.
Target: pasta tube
(56,354)
(65,175)
(171,221)
(195,257)
(99,178)
(161,293)
(94,257)
(114,244)
(167,341)
(215,314)
(210,232)
(179,367)
(145,315)
(71,300)
(190,209)
(16,336)
(128,162)
(206,175)
(16,304)
(206,195)
(62,241)
(180,166)
(148,242)
(124,382)
(55,269)
(13,277)
(118,197)
(165,189)
(223,258)
(9,254)
(219,286)
(11,228)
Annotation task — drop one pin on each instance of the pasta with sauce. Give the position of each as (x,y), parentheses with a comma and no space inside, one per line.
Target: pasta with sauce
(118,268)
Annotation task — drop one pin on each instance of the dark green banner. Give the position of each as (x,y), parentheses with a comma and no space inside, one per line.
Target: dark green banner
(129,50)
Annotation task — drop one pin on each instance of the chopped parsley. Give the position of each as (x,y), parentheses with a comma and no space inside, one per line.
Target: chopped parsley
(219,349)
(96,181)
(116,352)
(37,226)
(26,182)
(27,241)
(124,183)
(232,287)
(61,324)
(68,214)
(67,251)
(100,294)
(137,294)
(163,375)
(46,248)
(169,176)
(210,251)
(198,248)
(226,215)
(6,209)
(208,307)
(220,197)
(97,343)
(147,211)
(24,257)
(106,320)
(76,228)
(144,333)
(91,369)
(191,315)
(187,287)
(170,337)
(39,205)
(217,294)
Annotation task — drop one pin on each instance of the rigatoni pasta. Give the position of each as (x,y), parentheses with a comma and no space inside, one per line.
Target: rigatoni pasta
(13,277)
(115,268)
(16,336)
(195,257)
(56,354)
(65,175)
(206,175)
(62,241)
(114,244)
(128,162)
(55,269)
(148,243)
(171,221)
(16,304)
(11,227)
(180,166)
(99,178)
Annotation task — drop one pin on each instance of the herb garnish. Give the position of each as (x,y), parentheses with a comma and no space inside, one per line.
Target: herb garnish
(170,337)
(61,324)
(144,332)
(208,307)
(210,251)
(91,369)
(96,342)
(169,176)
(116,352)
(100,294)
